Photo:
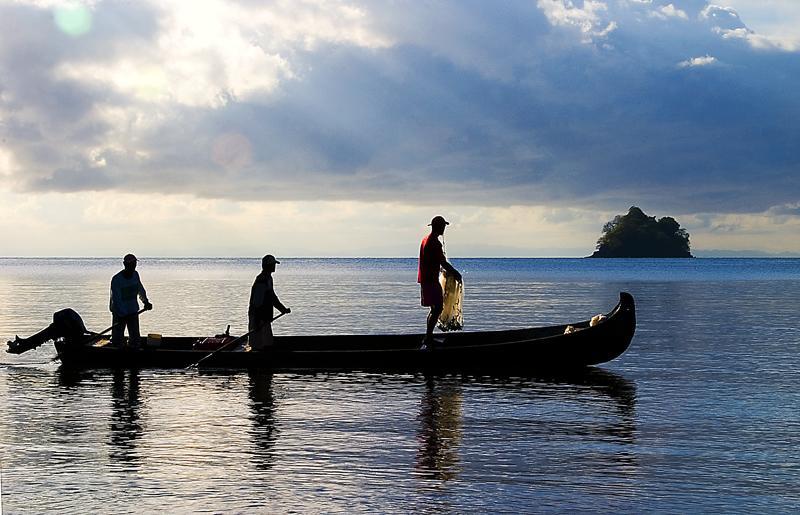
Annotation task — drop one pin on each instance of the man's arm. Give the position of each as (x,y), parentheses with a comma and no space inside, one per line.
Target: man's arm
(276,303)
(257,293)
(450,269)
(143,294)
(447,266)
(115,300)
(263,299)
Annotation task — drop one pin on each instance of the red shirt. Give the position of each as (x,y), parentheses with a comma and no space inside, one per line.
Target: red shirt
(431,257)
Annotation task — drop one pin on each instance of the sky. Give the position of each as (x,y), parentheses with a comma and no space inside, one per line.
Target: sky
(340,128)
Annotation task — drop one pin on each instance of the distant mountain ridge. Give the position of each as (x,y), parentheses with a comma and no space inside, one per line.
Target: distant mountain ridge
(717,253)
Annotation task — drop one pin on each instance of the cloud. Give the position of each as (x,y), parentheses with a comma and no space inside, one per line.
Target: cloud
(588,18)
(553,102)
(722,17)
(773,20)
(669,11)
(728,24)
(785,211)
(695,62)
(182,225)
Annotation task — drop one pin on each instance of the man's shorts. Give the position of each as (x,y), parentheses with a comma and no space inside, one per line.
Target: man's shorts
(431,294)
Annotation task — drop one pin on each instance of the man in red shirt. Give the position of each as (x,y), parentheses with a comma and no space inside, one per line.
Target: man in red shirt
(431,259)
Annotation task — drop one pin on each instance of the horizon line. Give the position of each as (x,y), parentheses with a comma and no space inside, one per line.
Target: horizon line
(780,255)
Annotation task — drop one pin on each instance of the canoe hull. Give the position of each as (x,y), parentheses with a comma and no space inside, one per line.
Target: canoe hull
(532,349)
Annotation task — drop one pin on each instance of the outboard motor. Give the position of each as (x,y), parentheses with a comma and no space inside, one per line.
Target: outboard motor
(67,324)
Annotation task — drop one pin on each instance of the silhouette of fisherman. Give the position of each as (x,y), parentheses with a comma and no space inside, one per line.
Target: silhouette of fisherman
(431,260)
(126,286)
(262,301)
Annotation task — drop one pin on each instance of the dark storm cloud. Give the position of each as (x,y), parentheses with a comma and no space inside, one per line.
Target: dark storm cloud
(473,102)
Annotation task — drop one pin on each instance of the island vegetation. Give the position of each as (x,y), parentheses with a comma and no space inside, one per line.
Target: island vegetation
(636,235)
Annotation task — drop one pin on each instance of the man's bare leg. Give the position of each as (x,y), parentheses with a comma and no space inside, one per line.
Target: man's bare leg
(433,316)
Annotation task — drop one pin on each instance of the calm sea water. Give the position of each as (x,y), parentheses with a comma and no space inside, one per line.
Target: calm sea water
(702,414)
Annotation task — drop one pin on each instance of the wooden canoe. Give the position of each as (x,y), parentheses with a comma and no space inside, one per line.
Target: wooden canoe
(532,349)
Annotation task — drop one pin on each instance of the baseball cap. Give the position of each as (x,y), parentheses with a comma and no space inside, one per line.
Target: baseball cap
(269,259)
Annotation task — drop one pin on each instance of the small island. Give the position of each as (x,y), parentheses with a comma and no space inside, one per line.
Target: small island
(636,235)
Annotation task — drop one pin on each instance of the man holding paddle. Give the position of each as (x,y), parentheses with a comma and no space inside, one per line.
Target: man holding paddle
(125,288)
(262,301)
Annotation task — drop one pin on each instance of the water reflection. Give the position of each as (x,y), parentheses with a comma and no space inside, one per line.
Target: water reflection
(614,387)
(70,378)
(440,428)
(613,425)
(601,409)
(262,406)
(125,428)
(592,387)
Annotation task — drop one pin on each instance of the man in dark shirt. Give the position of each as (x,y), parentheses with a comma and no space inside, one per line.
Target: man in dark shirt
(431,259)
(126,286)
(262,301)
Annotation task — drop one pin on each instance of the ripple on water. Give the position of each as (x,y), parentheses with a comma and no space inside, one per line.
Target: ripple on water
(699,415)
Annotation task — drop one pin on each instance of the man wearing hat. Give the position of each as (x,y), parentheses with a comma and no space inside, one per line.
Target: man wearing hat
(125,287)
(262,301)
(431,259)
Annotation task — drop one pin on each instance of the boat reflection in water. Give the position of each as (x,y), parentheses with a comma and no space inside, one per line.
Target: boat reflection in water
(125,428)
(581,410)
(262,409)
(69,379)
(478,429)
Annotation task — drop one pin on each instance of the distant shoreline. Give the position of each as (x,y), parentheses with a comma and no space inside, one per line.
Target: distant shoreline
(698,257)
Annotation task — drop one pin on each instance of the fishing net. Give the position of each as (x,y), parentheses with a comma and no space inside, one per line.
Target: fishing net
(452,318)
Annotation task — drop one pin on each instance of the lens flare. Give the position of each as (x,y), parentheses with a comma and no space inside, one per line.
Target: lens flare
(73,20)
(232,150)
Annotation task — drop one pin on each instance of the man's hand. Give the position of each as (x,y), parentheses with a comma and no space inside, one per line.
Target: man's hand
(148,306)
(451,270)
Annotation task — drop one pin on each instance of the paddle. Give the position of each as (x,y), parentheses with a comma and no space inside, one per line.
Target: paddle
(237,339)
(97,335)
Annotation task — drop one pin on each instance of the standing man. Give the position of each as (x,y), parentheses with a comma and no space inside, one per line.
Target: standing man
(431,259)
(262,300)
(125,287)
